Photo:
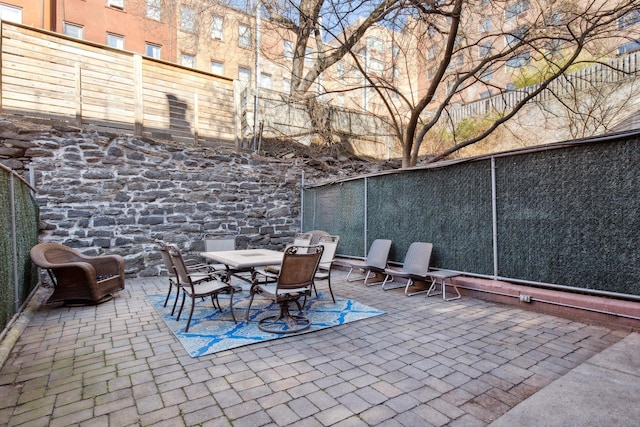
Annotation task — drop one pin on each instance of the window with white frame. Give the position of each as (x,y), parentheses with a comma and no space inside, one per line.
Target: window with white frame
(376,66)
(187,19)
(340,100)
(115,40)
(244,75)
(308,57)
(244,35)
(73,30)
(286,86)
(188,60)
(152,50)
(153,9)
(217,26)
(118,4)
(628,19)
(515,8)
(340,69)
(629,47)
(11,13)
(265,80)
(375,43)
(287,47)
(217,67)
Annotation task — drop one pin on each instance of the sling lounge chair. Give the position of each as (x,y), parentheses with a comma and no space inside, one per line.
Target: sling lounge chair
(414,269)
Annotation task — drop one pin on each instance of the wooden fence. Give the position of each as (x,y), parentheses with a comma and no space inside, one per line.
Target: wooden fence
(55,77)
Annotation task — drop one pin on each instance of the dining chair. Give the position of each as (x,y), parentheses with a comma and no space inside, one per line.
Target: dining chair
(208,285)
(294,281)
(270,272)
(330,244)
(192,265)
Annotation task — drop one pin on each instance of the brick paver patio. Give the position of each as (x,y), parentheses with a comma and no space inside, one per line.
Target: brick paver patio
(426,362)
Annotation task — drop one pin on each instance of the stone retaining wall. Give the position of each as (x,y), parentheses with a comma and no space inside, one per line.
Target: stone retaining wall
(107,193)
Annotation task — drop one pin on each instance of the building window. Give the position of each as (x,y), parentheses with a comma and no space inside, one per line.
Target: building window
(265,80)
(244,75)
(286,86)
(520,60)
(431,72)
(456,62)
(628,19)
(375,43)
(340,100)
(308,57)
(629,47)
(287,46)
(217,67)
(187,19)
(152,50)
(118,4)
(188,60)
(115,40)
(73,30)
(217,25)
(486,75)
(376,66)
(11,13)
(395,51)
(516,8)
(340,69)
(486,25)
(516,36)
(153,9)
(554,47)
(484,49)
(244,35)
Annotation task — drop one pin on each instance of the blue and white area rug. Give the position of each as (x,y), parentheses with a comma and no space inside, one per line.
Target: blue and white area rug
(212,331)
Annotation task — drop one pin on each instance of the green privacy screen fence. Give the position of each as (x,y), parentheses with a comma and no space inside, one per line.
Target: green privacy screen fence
(18,234)
(565,215)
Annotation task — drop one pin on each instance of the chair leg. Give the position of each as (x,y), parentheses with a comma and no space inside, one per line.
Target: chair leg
(233,315)
(246,317)
(193,306)
(330,290)
(175,302)
(166,300)
(182,306)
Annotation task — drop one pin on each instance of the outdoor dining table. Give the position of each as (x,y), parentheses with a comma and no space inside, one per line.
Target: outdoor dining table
(244,260)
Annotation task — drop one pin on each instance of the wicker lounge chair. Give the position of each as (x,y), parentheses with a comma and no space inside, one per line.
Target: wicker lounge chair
(78,278)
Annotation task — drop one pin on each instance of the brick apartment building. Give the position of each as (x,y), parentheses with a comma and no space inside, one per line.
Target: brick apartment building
(222,40)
